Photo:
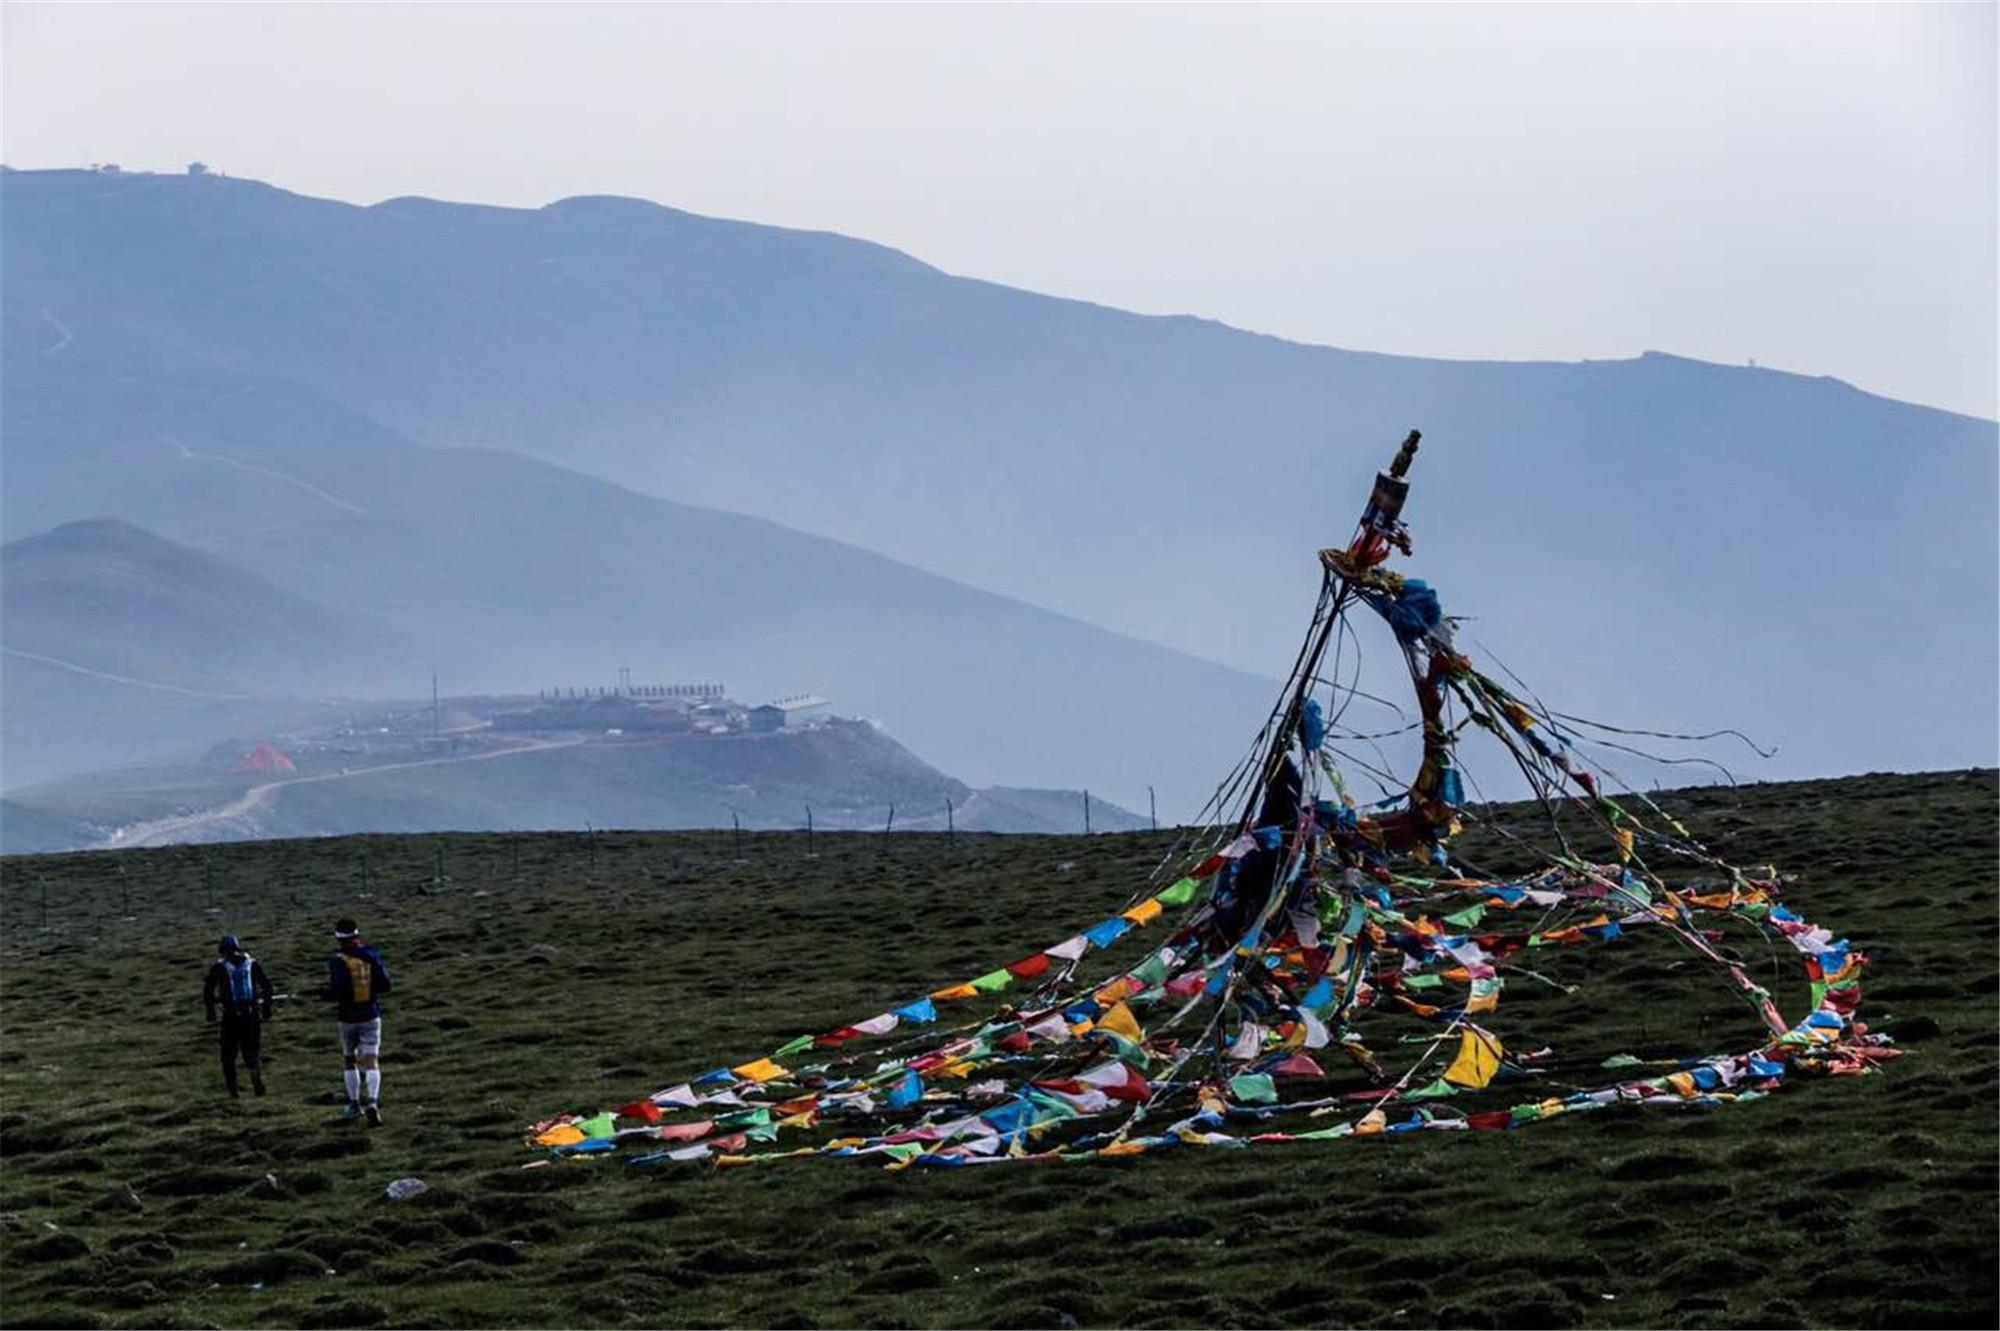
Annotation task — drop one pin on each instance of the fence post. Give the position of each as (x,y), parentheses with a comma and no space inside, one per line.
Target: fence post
(1086,811)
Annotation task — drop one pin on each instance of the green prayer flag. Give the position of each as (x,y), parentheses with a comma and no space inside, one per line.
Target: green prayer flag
(993,981)
(1253,1088)
(1324,1134)
(1422,981)
(794,1045)
(1621,1061)
(1123,1049)
(1180,893)
(1437,1090)
(1152,971)
(1468,917)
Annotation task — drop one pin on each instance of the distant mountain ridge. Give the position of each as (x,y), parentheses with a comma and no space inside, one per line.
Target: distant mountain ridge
(505,572)
(1657,541)
(123,600)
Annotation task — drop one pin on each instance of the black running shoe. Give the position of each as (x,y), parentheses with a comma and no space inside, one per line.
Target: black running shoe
(374,1114)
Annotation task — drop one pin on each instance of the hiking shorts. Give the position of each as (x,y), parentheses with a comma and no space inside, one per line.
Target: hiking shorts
(361,1037)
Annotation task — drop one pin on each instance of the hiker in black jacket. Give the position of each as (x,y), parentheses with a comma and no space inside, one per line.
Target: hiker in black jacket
(356,979)
(237,983)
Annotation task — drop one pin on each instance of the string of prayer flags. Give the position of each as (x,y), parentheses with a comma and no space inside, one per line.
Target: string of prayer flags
(1297,921)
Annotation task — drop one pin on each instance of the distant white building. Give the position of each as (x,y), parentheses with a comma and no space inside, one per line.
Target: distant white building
(789,713)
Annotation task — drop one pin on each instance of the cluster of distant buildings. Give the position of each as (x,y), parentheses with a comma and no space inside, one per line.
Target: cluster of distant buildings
(627,708)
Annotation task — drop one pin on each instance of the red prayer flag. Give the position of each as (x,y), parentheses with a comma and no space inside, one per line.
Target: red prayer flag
(1027,968)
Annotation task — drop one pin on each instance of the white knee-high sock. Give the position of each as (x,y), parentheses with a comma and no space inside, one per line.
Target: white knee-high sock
(374,1080)
(353,1079)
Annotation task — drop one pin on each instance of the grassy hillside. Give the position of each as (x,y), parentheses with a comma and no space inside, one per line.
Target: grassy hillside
(542,973)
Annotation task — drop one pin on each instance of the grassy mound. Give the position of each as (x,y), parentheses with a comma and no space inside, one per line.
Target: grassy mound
(549,972)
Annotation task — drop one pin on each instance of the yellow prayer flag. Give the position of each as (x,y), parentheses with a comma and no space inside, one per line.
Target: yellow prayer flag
(1117,990)
(1478,1059)
(955,991)
(566,1134)
(1120,1021)
(1145,912)
(760,1071)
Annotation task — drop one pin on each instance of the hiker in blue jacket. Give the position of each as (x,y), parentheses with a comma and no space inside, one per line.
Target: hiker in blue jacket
(237,985)
(356,981)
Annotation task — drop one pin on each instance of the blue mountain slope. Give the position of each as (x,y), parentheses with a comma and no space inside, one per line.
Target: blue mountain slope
(1657,540)
(509,574)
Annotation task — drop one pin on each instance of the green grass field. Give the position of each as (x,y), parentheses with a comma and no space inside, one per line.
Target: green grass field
(555,972)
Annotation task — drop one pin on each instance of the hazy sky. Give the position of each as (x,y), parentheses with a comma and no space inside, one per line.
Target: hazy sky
(1811,186)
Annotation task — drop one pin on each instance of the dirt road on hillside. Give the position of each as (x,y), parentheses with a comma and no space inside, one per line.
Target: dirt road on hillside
(164,831)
